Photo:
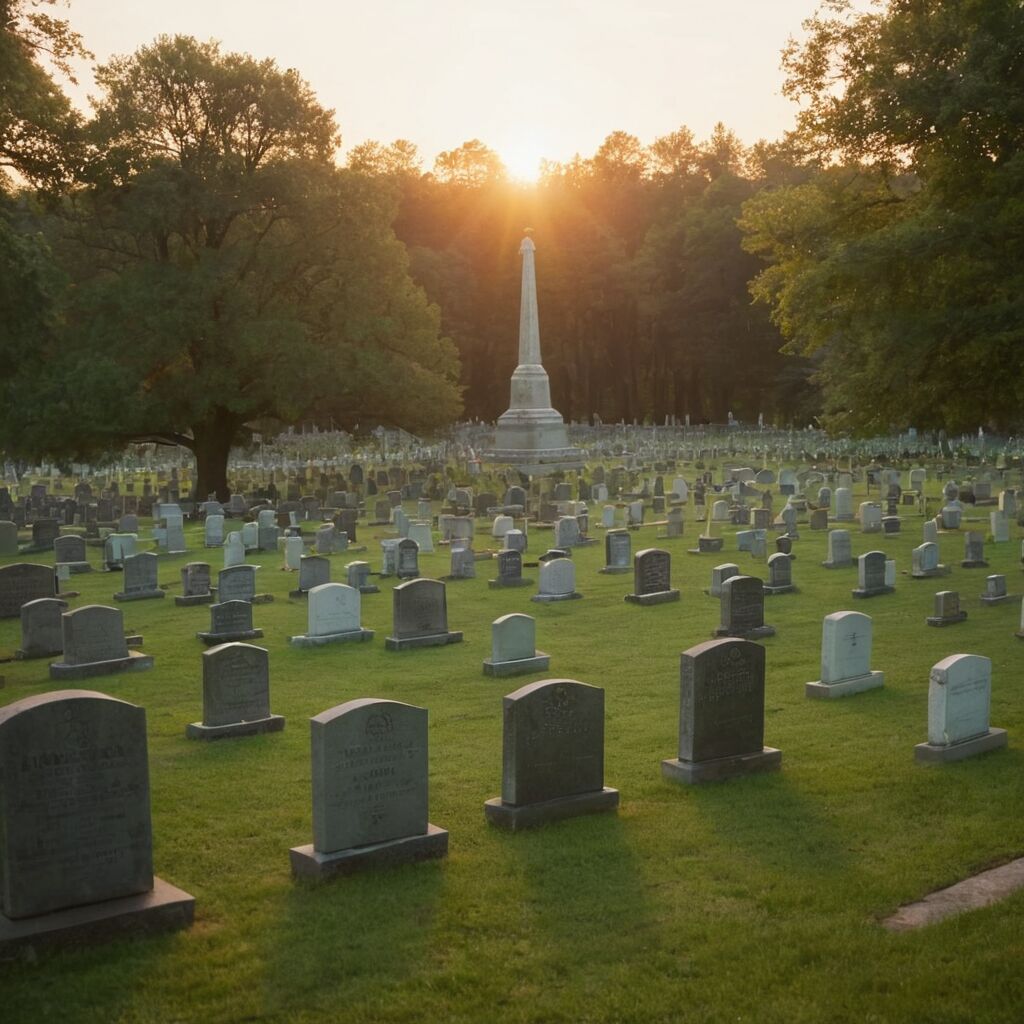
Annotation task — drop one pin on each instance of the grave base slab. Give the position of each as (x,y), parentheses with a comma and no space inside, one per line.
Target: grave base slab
(872,591)
(614,570)
(198,731)
(394,643)
(513,818)
(135,662)
(518,581)
(186,601)
(847,564)
(353,636)
(758,633)
(693,773)
(548,598)
(75,567)
(985,599)
(308,863)
(212,639)
(540,662)
(164,908)
(789,588)
(929,574)
(139,595)
(950,620)
(931,753)
(660,597)
(846,687)
(973,565)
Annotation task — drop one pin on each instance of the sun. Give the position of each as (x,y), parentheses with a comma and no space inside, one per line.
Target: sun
(522,159)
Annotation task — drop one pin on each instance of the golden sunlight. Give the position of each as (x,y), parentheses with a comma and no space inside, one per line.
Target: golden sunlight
(522,159)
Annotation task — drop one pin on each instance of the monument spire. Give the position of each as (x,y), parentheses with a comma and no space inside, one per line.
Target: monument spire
(529,324)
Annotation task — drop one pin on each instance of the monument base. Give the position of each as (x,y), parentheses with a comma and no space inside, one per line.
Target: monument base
(394,643)
(182,601)
(706,545)
(517,581)
(75,567)
(139,595)
(308,863)
(1002,599)
(354,636)
(974,564)
(693,773)
(660,597)
(614,570)
(198,731)
(846,564)
(757,633)
(929,574)
(547,598)
(933,753)
(135,662)
(538,663)
(872,591)
(513,817)
(212,639)
(164,908)
(789,588)
(946,620)
(368,589)
(845,687)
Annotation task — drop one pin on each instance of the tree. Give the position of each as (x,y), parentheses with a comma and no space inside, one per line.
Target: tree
(224,271)
(472,164)
(899,265)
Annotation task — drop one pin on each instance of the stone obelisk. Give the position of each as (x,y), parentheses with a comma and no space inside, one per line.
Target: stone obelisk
(531,434)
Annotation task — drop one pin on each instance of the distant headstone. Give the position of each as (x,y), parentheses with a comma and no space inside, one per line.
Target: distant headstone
(22,582)
(140,578)
(974,550)
(230,621)
(510,571)
(617,552)
(42,630)
(94,644)
(238,583)
(557,581)
(843,498)
(213,531)
(70,551)
(420,616)
(947,609)
(552,755)
(871,575)
(358,575)
(236,694)
(845,657)
(408,559)
(8,538)
(567,532)
(924,562)
(195,585)
(314,571)
(369,762)
(719,574)
(513,647)
(333,617)
(463,564)
(652,578)
(742,609)
(995,590)
(721,713)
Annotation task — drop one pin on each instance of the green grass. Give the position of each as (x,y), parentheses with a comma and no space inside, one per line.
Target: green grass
(752,900)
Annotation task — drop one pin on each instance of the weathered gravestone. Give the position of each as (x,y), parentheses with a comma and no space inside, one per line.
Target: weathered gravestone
(780,574)
(369,761)
(995,590)
(557,581)
(515,540)
(552,755)
(76,857)
(195,585)
(230,621)
(236,694)
(326,539)
(213,531)
(567,532)
(238,583)
(510,571)
(463,564)
(70,552)
(333,617)
(420,616)
(8,537)
(42,630)
(924,562)
(358,575)
(871,575)
(845,657)
(23,582)
(44,533)
(513,647)
(959,696)
(721,714)
(407,566)
(719,575)
(314,571)
(617,545)
(421,535)
(974,550)
(94,644)
(947,609)
(742,609)
(652,578)
(140,578)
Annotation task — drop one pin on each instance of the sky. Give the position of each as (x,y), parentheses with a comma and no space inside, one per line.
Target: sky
(530,79)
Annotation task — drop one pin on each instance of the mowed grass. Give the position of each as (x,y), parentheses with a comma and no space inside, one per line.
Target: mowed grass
(758,899)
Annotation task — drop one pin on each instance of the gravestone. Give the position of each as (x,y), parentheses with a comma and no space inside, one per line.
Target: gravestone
(719,575)
(501,526)
(947,609)
(742,609)
(140,578)
(567,532)
(843,498)
(230,621)
(8,538)
(1000,527)
(236,694)
(333,617)
(23,582)
(959,697)
(845,657)
(314,571)
(238,583)
(552,755)
(294,549)
(819,519)
(721,713)
(462,565)
(369,760)
(924,562)
(388,557)
(358,575)
(557,581)
(515,540)
(44,533)
(94,644)
(510,571)
(674,524)
(995,590)
(513,647)
(617,552)
(420,616)
(325,539)
(407,565)
(195,585)
(70,552)
(871,575)
(974,550)
(213,531)
(780,574)
(116,548)
(652,578)
(234,550)
(950,517)
(76,859)
(42,630)
(421,535)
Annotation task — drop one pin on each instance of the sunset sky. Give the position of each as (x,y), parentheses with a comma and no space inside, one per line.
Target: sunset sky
(531,79)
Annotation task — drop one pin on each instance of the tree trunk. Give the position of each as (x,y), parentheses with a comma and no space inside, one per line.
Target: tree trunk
(211,449)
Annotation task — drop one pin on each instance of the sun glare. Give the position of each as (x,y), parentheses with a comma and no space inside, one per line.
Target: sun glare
(522,161)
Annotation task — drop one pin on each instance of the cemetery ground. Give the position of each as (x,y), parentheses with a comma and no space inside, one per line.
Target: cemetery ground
(757,899)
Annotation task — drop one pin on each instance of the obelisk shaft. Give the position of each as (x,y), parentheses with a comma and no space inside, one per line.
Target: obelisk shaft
(529,324)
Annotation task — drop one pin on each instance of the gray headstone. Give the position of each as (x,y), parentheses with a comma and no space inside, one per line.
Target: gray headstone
(23,582)
(236,684)
(42,629)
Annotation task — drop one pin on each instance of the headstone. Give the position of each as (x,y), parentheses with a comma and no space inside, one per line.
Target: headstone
(557,581)
(652,578)
(742,609)
(924,562)
(94,644)
(844,505)
(140,578)
(1007,504)
(238,583)
(314,571)
(420,616)
(839,550)
(22,582)
(552,755)
(407,566)
(501,526)
(229,621)
(871,575)
(463,564)
(617,552)
(947,609)
(70,551)
(42,629)
(333,617)
(234,550)
(1000,526)
(213,531)
(950,516)
(76,858)
(195,585)
(236,694)
(721,713)
(510,571)
(369,761)
(819,519)
(515,540)
(995,590)
(358,575)
(294,549)
(870,517)
(8,538)
(250,536)
(326,537)
(420,533)
(719,575)
(959,696)
(780,574)
(513,647)
(974,550)
(845,657)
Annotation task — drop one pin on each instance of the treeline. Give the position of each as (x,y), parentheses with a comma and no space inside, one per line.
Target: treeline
(643,282)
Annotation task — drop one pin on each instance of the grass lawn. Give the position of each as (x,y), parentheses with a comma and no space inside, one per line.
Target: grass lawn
(752,900)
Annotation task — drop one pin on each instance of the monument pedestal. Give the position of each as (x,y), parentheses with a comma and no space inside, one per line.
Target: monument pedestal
(692,773)
(308,863)
(514,817)
(198,731)
(659,597)
(353,636)
(845,687)
(933,753)
(540,662)
(135,662)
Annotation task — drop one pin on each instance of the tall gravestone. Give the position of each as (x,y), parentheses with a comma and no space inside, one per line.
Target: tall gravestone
(721,714)
(742,609)
(845,657)
(513,647)
(652,578)
(617,545)
(76,856)
(314,571)
(369,761)
(420,616)
(959,698)
(552,755)
(236,694)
